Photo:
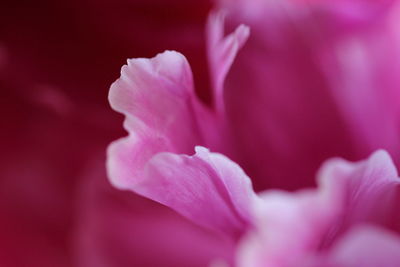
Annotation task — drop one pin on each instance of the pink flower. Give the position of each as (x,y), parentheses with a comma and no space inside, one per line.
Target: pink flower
(312,81)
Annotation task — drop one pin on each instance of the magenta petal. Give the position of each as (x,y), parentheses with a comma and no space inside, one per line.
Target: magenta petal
(207,188)
(162,114)
(363,72)
(345,15)
(312,68)
(277,99)
(222,52)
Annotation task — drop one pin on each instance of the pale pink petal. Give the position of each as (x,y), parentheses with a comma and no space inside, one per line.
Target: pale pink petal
(155,93)
(162,114)
(367,192)
(207,188)
(366,246)
(289,226)
(303,224)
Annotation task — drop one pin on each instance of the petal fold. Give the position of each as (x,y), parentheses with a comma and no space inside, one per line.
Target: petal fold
(207,188)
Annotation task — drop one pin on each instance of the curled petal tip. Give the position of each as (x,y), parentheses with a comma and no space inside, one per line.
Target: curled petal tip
(242,33)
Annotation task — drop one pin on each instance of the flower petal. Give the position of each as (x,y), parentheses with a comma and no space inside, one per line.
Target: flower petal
(162,114)
(207,188)
(287,224)
(367,192)
(222,52)
(367,246)
(304,223)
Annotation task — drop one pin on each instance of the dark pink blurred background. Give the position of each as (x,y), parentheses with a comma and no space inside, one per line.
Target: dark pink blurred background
(57,61)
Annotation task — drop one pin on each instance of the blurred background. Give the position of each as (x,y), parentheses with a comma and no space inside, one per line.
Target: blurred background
(57,61)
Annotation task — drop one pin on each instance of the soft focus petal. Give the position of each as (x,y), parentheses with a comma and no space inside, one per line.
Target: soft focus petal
(207,188)
(368,247)
(304,223)
(352,14)
(277,98)
(287,224)
(367,191)
(363,71)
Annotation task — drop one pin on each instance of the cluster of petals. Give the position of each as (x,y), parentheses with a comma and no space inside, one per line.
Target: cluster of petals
(313,80)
